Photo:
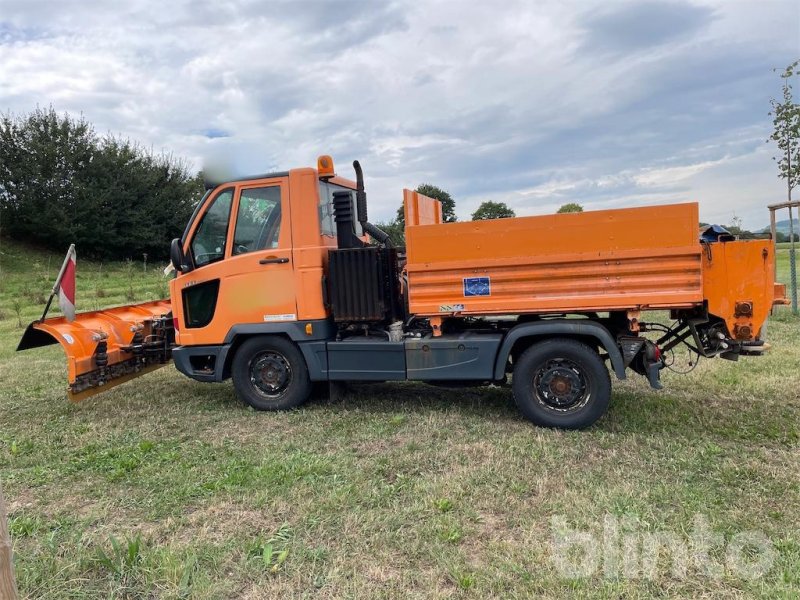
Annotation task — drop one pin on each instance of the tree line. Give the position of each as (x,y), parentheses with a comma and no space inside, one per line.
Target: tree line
(486,210)
(62,183)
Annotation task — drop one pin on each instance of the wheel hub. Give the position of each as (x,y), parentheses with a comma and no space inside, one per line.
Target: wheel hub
(270,373)
(561,385)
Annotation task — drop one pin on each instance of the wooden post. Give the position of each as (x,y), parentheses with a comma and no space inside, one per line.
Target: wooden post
(8,587)
(772,223)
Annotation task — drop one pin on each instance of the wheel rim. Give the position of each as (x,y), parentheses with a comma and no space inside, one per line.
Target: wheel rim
(561,385)
(270,373)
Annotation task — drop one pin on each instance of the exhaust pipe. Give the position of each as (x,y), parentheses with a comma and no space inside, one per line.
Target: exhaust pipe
(361,210)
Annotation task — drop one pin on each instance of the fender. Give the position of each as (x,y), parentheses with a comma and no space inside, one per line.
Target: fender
(314,353)
(554,328)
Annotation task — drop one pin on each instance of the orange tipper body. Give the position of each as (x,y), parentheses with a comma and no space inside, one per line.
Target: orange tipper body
(632,259)
(635,258)
(281,281)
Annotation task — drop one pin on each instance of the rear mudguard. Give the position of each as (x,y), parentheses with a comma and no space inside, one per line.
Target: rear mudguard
(107,347)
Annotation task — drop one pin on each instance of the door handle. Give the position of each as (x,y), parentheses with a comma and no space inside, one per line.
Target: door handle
(273,260)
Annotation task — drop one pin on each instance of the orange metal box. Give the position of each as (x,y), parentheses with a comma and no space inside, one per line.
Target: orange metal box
(634,258)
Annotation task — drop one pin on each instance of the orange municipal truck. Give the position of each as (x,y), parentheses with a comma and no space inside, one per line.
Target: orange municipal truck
(281,281)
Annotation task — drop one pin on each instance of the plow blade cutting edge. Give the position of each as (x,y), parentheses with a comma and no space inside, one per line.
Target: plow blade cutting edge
(107,347)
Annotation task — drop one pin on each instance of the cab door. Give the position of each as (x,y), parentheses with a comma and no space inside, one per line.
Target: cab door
(243,263)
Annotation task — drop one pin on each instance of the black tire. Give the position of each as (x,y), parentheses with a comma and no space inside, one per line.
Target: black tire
(270,373)
(561,383)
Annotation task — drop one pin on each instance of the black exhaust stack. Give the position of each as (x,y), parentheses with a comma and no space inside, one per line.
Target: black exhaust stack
(361,205)
(343,216)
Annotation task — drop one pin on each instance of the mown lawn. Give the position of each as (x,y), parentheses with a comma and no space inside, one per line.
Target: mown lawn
(169,488)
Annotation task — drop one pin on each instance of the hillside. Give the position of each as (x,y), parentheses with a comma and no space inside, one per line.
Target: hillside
(783,226)
(27,274)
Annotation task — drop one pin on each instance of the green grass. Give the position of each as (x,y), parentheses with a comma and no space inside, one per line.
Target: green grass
(169,488)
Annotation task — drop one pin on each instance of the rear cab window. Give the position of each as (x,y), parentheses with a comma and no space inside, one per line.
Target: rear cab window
(327,224)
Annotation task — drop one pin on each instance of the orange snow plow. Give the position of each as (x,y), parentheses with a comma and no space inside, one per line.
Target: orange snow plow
(107,347)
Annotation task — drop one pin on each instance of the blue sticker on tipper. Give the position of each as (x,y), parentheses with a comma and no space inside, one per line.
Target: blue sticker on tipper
(477,286)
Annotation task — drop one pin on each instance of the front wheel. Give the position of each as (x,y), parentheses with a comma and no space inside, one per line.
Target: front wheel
(269,373)
(561,383)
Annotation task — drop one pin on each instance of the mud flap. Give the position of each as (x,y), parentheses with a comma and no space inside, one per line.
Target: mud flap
(654,374)
(107,347)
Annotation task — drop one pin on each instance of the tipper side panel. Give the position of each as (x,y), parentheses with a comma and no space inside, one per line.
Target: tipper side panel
(594,261)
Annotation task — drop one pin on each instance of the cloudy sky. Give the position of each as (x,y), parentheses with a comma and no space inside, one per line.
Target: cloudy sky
(534,104)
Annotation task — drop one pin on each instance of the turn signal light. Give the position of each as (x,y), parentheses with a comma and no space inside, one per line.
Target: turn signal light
(325,167)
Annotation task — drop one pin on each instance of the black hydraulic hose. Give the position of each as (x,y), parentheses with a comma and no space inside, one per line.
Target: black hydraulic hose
(378,234)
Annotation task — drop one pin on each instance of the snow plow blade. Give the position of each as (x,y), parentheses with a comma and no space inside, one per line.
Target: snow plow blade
(107,347)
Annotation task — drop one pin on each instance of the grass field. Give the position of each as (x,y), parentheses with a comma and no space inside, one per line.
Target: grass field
(169,488)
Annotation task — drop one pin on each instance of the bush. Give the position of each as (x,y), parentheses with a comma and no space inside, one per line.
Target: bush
(61,183)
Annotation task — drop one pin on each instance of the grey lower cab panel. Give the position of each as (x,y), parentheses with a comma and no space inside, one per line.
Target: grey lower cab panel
(462,357)
(366,360)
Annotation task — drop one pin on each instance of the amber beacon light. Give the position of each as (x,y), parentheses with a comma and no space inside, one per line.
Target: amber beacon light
(325,167)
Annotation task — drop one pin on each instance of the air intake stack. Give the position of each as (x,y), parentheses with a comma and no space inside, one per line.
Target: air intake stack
(363,279)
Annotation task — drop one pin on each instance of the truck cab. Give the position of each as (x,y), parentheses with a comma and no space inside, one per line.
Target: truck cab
(255,252)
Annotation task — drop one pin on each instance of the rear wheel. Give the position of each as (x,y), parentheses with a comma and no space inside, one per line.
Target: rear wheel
(561,383)
(269,373)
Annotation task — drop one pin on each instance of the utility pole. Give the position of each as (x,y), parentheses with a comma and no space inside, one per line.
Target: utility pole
(8,587)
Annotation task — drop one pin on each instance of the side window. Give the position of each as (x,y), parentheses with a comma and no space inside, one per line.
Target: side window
(208,244)
(258,223)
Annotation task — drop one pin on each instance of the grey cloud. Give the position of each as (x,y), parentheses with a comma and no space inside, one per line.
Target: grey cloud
(636,26)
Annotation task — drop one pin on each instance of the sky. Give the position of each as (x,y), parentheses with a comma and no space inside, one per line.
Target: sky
(535,104)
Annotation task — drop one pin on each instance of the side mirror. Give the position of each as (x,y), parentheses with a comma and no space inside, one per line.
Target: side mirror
(177,257)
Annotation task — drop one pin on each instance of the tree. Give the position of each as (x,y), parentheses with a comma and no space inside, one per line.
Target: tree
(786,134)
(437,193)
(570,207)
(492,210)
(786,131)
(41,156)
(61,183)
(396,231)
(738,231)
(781,237)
